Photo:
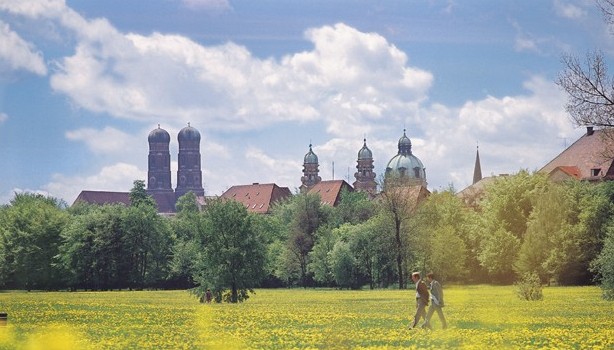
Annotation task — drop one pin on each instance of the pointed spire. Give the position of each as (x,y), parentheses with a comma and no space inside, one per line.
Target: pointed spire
(477,170)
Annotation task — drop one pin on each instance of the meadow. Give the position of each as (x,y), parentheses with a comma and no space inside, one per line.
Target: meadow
(479,317)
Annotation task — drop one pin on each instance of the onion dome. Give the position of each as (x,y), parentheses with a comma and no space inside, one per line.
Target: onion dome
(404,144)
(310,157)
(159,135)
(188,134)
(365,152)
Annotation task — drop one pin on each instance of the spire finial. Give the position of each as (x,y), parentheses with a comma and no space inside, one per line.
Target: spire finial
(158,125)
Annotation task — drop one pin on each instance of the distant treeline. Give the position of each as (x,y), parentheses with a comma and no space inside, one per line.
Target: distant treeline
(518,224)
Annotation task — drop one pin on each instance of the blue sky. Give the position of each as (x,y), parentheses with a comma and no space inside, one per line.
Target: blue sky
(83,82)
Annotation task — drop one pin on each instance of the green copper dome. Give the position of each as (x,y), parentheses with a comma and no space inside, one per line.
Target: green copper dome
(310,157)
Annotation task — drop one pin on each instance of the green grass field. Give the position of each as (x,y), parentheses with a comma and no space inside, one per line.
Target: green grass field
(480,317)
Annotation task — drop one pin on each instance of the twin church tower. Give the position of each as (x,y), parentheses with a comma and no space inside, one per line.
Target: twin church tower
(189,174)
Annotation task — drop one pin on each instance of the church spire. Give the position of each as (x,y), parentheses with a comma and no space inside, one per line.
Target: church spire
(477,170)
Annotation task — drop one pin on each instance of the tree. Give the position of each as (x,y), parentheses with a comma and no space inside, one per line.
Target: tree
(343,264)
(92,253)
(185,250)
(233,252)
(398,202)
(506,208)
(589,88)
(308,215)
(444,229)
(30,228)
(146,239)
(604,265)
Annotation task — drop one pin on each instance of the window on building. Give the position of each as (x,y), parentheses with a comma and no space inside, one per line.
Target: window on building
(595,171)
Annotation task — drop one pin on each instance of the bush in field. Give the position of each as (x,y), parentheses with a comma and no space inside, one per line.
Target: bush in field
(529,287)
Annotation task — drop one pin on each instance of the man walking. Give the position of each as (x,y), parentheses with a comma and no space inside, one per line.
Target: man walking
(437,302)
(422,298)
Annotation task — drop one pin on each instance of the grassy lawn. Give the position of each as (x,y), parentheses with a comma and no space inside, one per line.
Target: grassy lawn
(481,317)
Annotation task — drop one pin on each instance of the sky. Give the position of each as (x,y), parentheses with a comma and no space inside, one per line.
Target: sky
(82,83)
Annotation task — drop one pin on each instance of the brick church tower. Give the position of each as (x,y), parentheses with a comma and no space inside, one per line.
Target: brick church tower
(159,162)
(310,171)
(189,174)
(365,177)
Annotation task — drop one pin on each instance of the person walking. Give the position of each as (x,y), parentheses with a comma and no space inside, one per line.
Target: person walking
(422,298)
(437,302)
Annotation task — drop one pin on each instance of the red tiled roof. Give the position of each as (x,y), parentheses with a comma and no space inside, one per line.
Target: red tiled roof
(573,171)
(330,191)
(587,154)
(257,198)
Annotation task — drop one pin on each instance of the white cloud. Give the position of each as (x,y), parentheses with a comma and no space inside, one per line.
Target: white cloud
(568,10)
(352,75)
(106,141)
(3,117)
(116,177)
(18,54)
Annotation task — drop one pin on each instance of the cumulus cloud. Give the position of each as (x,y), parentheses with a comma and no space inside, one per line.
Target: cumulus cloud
(352,75)
(18,54)
(99,141)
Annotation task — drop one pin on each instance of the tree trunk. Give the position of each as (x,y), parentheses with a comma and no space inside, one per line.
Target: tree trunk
(399,254)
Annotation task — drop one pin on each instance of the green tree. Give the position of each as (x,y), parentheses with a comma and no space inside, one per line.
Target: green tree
(319,258)
(398,204)
(30,228)
(355,207)
(444,234)
(506,208)
(307,216)
(92,253)
(604,265)
(343,263)
(233,252)
(147,239)
(186,227)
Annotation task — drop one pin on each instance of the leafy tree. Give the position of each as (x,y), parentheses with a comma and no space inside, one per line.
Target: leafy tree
(233,252)
(319,258)
(604,265)
(506,208)
(30,229)
(354,207)
(308,215)
(185,252)
(498,253)
(146,239)
(444,229)
(92,253)
(398,205)
(343,264)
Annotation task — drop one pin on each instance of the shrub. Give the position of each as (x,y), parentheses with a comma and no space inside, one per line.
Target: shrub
(529,287)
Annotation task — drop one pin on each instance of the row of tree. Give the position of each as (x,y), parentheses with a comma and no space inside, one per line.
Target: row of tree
(523,223)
